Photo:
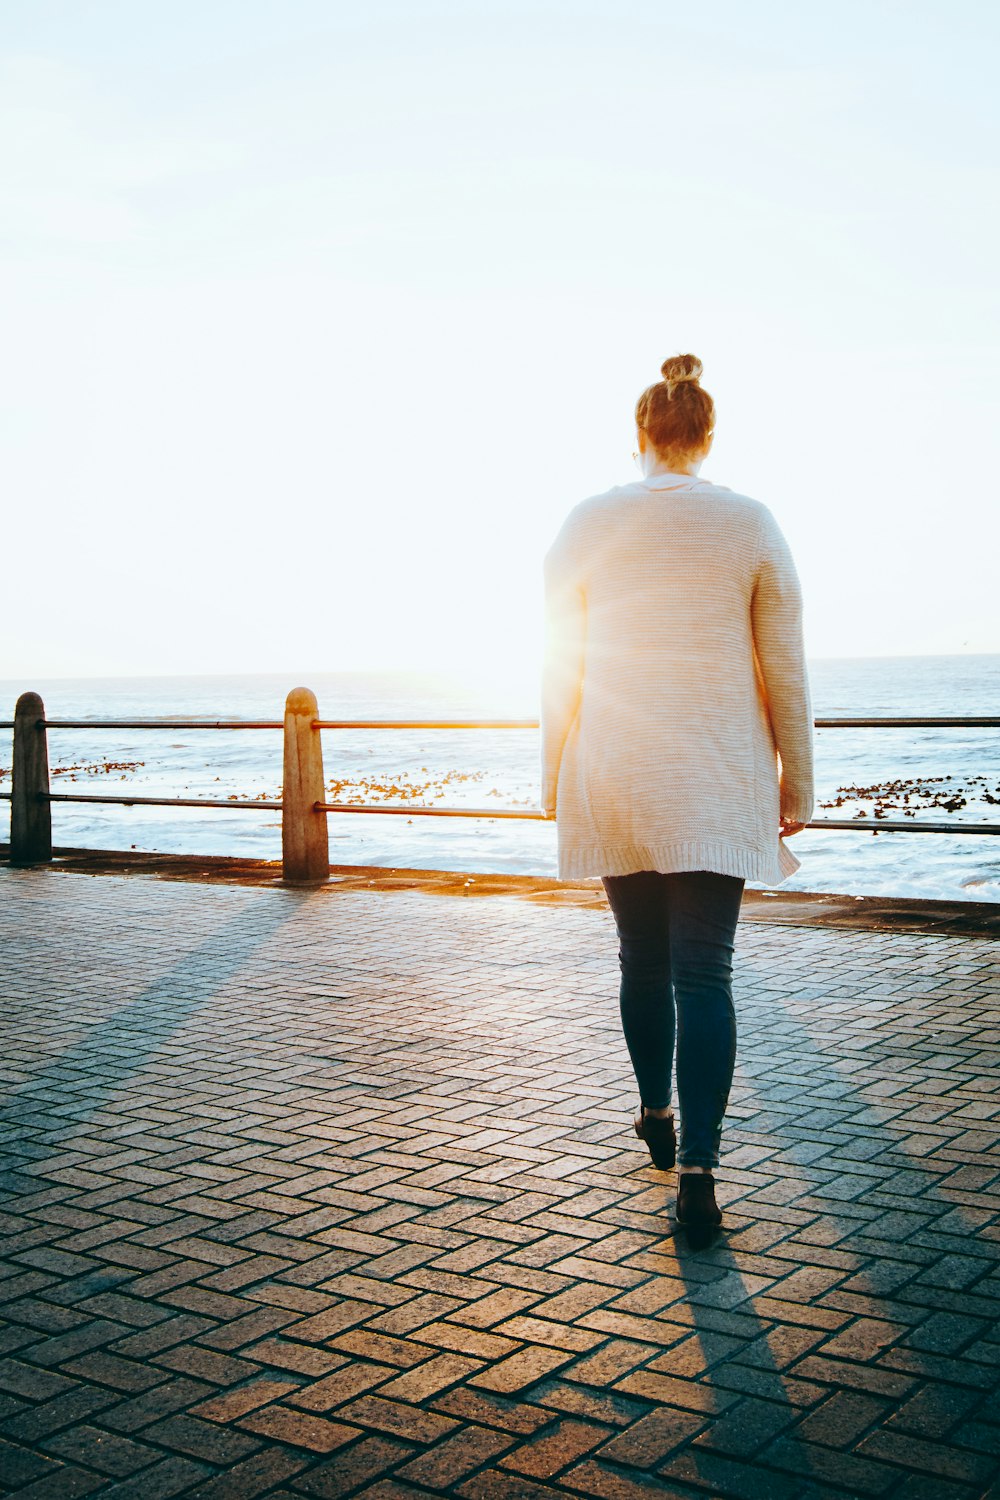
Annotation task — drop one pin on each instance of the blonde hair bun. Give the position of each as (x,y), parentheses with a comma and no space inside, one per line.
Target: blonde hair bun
(680,368)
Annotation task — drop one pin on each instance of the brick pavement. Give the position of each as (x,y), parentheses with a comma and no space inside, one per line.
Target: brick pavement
(329,1194)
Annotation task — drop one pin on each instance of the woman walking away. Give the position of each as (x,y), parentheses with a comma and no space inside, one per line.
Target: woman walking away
(676,752)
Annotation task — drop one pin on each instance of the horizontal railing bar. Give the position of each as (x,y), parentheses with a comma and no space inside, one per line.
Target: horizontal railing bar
(880,824)
(899,825)
(437,812)
(160,724)
(857,825)
(981,721)
(160,801)
(425,724)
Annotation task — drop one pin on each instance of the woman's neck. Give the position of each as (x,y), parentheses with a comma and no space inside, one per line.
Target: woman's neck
(652,464)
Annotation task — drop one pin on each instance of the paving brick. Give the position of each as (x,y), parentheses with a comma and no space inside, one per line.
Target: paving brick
(407,1422)
(923,1487)
(302,1359)
(26,1380)
(581,1401)
(392,1489)
(171,1476)
(298,1428)
(333,1320)
(383,1349)
(689,1395)
(946,1332)
(108,1452)
(149,1341)
(256,1475)
(746,1427)
(493,1484)
(555,1448)
(854,1471)
(362,1462)
(241,1332)
(467,1341)
(615,1358)
(655,1331)
(983,1436)
(173,1395)
(333,1390)
(593,1478)
(492,1409)
(276,1256)
(841,1420)
(934,1410)
(206,1364)
(854,1376)
(236,1403)
(725,1476)
(449,1461)
(911,1452)
(30,1424)
(66,1483)
(413,1314)
(63,1347)
(427,1379)
(649,1440)
(926,1366)
(19,1467)
(197,1438)
(110,1369)
(520,1370)
(488,1311)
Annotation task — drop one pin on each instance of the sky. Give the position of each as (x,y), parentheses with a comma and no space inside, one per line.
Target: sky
(319,317)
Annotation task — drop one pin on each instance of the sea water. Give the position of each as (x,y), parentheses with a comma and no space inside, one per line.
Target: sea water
(500,768)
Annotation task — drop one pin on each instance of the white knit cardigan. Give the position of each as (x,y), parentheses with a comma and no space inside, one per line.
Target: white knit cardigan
(676,714)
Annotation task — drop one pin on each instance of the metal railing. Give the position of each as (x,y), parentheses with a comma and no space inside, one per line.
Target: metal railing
(304,810)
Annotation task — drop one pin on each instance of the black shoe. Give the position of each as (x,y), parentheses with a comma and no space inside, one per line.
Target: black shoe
(697,1209)
(658,1133)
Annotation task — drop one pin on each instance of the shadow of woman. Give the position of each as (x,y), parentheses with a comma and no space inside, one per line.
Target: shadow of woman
(841,1333)
(846,1322)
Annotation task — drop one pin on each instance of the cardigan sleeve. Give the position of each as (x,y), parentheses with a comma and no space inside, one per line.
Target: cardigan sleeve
(563,661)
(779,644)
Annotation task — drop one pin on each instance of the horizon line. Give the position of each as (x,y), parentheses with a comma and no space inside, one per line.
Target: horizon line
(431,670)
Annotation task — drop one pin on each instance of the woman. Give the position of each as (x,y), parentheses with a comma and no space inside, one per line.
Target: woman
(676,752)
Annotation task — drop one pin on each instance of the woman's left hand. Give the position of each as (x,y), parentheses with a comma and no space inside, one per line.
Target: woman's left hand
(788,827)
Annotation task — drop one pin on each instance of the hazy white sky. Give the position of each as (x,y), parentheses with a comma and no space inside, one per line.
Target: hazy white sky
(318,316)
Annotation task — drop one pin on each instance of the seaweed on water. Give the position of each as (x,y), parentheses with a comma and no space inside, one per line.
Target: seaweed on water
(911,795)
(124,768)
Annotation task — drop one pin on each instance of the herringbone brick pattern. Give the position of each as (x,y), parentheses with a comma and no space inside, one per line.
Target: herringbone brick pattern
(330,1194)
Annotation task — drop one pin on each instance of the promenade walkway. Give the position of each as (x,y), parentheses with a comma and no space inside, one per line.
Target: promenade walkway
(335,1193)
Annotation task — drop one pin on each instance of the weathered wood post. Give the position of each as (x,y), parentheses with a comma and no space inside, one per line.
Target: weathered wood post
(305,846)
(30,809)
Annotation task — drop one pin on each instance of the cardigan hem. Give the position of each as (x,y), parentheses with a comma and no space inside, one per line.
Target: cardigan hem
(669,858)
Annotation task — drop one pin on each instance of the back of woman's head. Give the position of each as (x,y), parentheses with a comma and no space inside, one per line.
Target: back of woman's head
(676,414)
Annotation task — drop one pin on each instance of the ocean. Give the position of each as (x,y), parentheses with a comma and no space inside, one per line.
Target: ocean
(948,775)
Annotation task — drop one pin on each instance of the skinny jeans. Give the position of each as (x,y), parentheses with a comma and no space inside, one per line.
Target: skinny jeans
(676,935)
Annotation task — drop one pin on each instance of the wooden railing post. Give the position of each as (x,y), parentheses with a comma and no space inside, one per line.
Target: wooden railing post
(305,847)
(30,809)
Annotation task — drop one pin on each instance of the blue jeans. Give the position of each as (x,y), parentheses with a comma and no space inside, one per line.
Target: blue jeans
(676,937)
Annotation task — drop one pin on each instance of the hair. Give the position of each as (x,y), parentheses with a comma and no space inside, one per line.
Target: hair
(676,414)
